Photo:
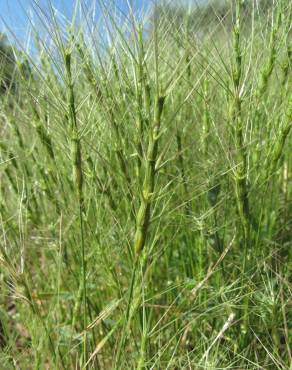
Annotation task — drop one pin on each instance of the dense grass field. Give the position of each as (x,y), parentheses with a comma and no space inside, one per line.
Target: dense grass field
(145,191)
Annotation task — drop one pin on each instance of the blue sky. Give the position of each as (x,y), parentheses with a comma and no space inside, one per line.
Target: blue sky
(14,14)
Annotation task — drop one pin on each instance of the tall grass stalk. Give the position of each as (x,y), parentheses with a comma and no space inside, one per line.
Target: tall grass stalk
(78,179)
(241,171)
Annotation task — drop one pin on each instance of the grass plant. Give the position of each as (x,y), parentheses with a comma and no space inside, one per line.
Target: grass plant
(145,190)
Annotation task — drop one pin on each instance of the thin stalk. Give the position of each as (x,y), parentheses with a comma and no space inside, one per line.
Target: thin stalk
(206,119)
(143,216)
(282,137)
(265,76)
(78,178)
(140,83)
(37,121)
(241,172)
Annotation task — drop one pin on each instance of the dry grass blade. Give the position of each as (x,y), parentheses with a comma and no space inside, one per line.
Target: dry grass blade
(211,270)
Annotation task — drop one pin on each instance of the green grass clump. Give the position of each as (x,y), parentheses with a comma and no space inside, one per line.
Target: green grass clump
(145,191)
